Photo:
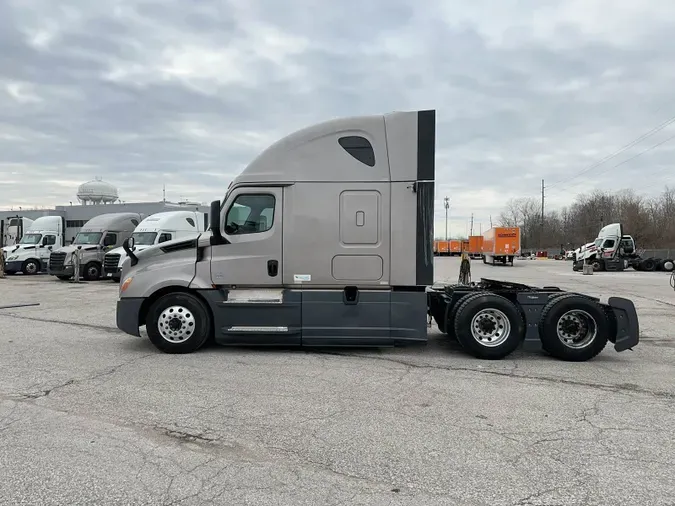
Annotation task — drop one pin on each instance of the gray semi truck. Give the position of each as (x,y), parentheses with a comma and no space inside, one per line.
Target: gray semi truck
(98,236)
(326,239)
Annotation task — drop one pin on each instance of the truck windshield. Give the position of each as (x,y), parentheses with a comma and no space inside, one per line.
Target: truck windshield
(144,238)
(88,238)
(598,242)
(30,239)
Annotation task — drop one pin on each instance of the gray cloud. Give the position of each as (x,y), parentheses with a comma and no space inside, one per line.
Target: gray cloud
(146,92)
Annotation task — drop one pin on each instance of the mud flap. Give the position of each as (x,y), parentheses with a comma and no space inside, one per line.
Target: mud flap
(627,325)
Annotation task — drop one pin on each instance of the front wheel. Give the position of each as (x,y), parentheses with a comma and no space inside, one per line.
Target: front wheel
(178,323)
(573,328)
(488,326)
(92,271)
(30,266)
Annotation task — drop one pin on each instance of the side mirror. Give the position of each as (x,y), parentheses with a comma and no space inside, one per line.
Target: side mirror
(131,241)
(214,219)
(49,248)
(127,244)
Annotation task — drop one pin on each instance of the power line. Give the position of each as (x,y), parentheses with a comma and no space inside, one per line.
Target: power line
(644,136)
(636,155)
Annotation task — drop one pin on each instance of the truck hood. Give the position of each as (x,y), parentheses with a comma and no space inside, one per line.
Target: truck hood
(9,249)
(175,255)
(70,248)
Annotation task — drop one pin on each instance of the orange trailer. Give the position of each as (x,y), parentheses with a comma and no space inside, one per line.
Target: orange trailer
(440,247)
(465,246)
(501,244)
(455,247)
(475,245)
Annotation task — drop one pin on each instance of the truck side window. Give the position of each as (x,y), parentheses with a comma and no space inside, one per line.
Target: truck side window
(110,239)
(165,236)
(609,243)
(250,214)
(360,148)
(49,240)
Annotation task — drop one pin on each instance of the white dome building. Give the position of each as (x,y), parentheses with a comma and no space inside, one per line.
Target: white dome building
(97,192)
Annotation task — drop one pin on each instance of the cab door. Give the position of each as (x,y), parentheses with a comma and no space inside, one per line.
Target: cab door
(252,307)
(45,248)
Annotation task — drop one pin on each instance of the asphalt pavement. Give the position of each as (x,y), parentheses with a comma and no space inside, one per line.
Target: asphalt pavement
(89,415)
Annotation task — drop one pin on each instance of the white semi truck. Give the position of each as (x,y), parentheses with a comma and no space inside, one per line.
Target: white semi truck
(613,250)
(31,254)
(98,236)
(326,239)
(12,230)
(156,229)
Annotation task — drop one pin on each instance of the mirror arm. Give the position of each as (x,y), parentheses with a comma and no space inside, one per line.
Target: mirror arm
(129,252)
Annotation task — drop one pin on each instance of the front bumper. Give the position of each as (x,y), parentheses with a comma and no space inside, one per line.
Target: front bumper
(627,324)
(110,273)
(128,312)
(66,270)
(13,266)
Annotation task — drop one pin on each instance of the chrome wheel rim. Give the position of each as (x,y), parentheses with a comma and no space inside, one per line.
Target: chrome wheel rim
(668,265)
(176,324)
(490,327)
(576,329)
(31,268)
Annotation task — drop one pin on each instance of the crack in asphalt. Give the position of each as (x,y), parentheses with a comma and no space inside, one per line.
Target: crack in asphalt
(622,387)
(112,370)
(103,328)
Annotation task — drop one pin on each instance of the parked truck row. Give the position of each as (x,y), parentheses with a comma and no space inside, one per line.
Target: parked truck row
(97,249)
(306,249)
(496,245)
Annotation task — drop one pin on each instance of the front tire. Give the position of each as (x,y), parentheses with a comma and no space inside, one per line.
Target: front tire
(92,271)
(178,323)
(30,267)
(488,326)
(573,328)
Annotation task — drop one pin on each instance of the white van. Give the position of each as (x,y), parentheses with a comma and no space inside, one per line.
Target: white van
(156,229)
(31,254)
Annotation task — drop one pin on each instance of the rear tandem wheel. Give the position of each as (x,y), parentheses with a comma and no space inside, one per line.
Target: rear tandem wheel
(573,328)
(488,326)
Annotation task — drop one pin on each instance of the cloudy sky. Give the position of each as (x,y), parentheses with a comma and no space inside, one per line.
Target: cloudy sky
(184,93)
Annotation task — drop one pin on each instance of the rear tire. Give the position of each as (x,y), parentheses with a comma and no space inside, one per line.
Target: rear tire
(178,323)
(648,265)
(488,326)
(451,314)
(573,328)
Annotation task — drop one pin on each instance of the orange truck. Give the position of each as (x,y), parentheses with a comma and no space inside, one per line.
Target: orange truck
(475,246)
(501,244)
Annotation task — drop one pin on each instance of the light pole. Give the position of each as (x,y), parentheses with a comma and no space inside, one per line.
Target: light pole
(446,202)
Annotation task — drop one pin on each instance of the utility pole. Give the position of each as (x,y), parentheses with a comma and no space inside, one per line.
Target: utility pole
(541,233)
(471,224)
(446,203)
(490,221)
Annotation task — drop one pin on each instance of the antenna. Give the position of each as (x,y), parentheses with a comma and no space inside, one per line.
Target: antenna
(164,193)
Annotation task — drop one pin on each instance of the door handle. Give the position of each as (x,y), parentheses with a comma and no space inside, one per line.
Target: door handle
(272,267)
